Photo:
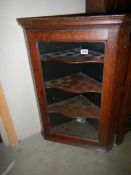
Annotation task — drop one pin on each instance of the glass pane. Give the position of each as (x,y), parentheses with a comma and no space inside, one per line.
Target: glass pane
(72,73)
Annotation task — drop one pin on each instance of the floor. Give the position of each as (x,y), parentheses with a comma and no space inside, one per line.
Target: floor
(35,156)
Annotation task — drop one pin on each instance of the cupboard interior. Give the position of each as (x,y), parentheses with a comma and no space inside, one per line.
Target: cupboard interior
(73,86)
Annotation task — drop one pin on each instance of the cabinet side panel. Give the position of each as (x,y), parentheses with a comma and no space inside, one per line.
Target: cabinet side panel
(125,107)
(129,101)
(35,65)
(112,89)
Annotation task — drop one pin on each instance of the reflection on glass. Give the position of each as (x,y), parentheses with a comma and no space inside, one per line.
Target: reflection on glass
(73,79)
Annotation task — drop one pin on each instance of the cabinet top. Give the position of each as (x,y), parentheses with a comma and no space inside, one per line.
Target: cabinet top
(73,21)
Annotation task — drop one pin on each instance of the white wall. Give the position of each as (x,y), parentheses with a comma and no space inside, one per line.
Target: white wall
(14,66)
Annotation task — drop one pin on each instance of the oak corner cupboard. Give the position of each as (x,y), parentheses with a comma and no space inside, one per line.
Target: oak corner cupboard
(79,66)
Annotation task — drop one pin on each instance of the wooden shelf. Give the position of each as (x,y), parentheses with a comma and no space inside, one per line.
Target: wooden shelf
(75,83)
(76,107)
(73,56)
(75,128)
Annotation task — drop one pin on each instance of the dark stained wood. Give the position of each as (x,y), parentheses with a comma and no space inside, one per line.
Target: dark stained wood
(76,107)
(77,141)
(119,75)
(129,102)
(124,110)
(107,129)
(74,56)
(113,31)
(39,85)
(75,83)
(95,6)
(71,35)
(108,6)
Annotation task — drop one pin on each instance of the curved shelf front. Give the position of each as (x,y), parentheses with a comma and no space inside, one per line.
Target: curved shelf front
(73,56)
(75,83)
(76,107)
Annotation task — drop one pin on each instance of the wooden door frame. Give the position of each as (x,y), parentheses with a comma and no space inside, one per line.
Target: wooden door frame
(106,36)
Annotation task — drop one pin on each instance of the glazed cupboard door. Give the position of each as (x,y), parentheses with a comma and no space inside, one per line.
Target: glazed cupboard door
(74,76)
(124,123)
(73,89)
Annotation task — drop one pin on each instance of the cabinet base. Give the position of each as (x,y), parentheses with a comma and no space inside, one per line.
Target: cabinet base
(75,142)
